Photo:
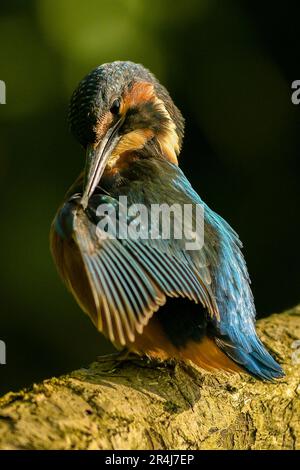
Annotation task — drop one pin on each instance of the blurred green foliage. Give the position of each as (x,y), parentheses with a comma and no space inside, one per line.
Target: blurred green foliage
(228,66)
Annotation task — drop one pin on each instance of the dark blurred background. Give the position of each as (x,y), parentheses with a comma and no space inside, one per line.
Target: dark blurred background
(229,67)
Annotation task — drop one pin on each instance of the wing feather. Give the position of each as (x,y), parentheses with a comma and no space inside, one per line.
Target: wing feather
(130,280)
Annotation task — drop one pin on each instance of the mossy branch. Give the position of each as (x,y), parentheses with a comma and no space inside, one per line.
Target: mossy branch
(141,405)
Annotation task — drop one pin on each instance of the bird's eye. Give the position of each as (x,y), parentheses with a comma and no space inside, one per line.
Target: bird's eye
(115,107)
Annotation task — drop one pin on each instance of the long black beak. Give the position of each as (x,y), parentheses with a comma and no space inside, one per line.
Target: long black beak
(96,161)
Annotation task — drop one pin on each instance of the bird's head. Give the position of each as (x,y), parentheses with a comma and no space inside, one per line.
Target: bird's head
(120,108)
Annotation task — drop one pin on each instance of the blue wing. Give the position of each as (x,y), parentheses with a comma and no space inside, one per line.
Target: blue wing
(235,327)
(130,279)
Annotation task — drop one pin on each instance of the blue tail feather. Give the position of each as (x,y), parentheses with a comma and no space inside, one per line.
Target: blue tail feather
(256,360)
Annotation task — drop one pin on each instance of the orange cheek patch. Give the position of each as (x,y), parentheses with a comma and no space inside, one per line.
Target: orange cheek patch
(169,146)
(141,92)
(134,140)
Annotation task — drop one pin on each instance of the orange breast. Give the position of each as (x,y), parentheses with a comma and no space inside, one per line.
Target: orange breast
(155,344)
(71,269)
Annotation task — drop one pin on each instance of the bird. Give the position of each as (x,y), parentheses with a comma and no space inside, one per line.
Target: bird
(150,296)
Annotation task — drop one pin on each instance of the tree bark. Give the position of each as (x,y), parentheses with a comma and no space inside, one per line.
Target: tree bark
(143,405)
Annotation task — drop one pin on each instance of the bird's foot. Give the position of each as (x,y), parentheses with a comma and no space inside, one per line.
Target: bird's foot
(109,357)
(150,362)
(118,359)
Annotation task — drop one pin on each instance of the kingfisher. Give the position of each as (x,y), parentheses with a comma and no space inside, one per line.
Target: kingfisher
(151,296)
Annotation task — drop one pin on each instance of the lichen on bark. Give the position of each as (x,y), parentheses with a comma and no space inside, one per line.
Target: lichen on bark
(144,405)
